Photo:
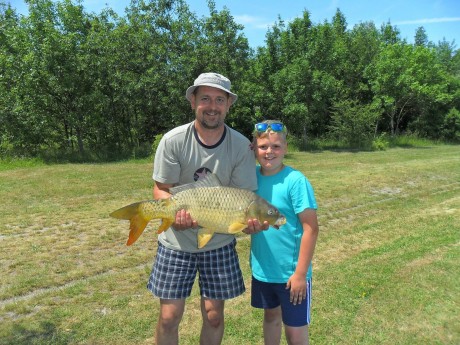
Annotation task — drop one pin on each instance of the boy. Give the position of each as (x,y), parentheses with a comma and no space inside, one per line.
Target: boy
(281,259)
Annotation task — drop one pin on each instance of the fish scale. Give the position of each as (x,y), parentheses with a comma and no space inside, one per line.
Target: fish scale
(215,206)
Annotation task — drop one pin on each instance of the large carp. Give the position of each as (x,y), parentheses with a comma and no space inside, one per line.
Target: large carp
(216,208)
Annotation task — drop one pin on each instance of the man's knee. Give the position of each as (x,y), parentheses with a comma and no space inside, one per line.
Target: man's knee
(214,318)
(170,316)
(213,312)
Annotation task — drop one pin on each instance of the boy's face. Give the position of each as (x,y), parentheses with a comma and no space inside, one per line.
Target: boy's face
(270,150)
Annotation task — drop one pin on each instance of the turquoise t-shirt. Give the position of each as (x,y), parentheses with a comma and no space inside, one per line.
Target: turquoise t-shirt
(274,253)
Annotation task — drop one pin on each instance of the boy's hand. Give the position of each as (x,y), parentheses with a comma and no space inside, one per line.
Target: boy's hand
(254,226)
(298,286)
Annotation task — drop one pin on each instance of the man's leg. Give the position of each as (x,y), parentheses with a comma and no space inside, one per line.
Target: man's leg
(219,269)
(167,331)
(213,321)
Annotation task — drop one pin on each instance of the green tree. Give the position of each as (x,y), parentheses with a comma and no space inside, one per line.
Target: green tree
(106,85)
(33,47)
(223,48)
(389,34)
(354,123)
(363,51)
(9,74)
(406,79)
(445,52)
(421,38)
(451,126)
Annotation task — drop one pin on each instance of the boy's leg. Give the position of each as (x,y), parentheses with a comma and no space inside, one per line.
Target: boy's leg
(296,318)
(272,326)
(296,335)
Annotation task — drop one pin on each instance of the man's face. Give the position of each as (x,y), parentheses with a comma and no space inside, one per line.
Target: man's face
(211,106)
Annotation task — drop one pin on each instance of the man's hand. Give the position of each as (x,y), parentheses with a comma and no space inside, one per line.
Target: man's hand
(184,221)
(254,226)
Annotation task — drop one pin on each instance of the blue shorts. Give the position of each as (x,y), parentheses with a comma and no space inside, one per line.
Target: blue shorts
(272,295)
(174,272)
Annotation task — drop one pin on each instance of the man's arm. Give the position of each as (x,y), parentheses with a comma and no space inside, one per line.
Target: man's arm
(161,190)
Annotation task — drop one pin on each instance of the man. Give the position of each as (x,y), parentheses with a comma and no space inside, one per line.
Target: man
(185,154)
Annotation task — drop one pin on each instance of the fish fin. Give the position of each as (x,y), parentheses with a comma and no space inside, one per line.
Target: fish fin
(137,225)
(236,227)
(137,222)
(165,224)
(126,212)
(204,236)
(210,180)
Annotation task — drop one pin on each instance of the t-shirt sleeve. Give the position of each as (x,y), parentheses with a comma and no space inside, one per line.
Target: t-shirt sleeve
(166,167)
(302,195)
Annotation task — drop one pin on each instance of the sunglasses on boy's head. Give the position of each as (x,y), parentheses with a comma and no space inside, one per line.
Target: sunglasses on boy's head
(275,127)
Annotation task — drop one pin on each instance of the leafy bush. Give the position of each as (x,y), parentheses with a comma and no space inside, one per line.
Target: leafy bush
(353,123)
(381,143)
(451,127)
(155,144)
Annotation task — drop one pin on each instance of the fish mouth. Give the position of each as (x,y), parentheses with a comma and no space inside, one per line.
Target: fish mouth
(280,221)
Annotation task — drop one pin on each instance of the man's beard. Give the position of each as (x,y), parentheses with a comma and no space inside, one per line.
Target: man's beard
(206,125)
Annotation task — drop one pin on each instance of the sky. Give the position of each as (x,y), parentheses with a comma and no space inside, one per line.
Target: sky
(440,18)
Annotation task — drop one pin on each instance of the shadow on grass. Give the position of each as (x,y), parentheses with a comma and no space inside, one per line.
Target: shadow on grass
(47,333)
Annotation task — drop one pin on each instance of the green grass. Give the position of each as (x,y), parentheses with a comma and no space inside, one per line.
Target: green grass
(14,163)
(385,267)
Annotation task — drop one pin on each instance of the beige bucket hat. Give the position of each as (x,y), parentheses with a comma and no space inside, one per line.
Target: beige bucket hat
(213,80)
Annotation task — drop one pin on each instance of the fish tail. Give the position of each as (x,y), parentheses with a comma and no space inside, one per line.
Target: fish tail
(139,215)
(137,225)
(137,220)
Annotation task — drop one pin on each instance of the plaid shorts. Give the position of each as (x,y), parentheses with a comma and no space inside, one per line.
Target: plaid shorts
(174,272)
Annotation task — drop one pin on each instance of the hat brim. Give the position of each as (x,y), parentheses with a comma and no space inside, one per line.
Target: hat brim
(191,89)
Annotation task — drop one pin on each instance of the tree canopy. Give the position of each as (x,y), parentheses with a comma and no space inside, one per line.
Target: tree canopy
(104,86)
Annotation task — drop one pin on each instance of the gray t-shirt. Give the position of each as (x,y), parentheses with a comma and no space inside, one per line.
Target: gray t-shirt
(182,158)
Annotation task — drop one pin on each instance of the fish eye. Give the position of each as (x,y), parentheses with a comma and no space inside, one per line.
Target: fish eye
(271,212)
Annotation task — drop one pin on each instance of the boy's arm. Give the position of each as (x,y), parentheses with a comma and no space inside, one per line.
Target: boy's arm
(296,282)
